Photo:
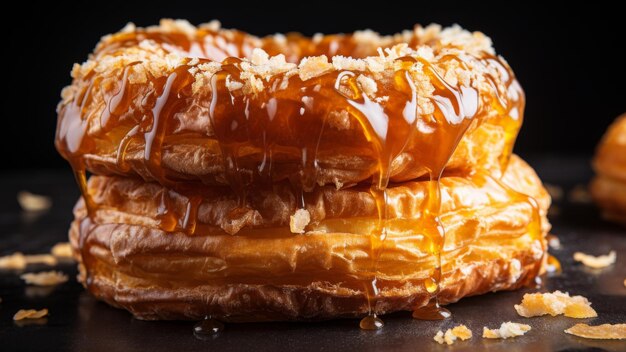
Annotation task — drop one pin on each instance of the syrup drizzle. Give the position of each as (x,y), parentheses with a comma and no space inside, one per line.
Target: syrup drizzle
(279,123)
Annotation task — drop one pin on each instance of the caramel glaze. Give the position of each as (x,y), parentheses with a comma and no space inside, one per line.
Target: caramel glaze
(288,120)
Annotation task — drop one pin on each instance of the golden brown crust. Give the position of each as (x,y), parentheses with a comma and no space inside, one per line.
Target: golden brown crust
(608,188)
(202,161)
(495,241)
(124,64)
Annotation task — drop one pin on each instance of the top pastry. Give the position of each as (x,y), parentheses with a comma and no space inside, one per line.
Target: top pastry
(175,103)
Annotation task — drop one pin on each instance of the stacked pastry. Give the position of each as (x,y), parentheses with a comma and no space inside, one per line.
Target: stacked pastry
(608,188)
(288,177)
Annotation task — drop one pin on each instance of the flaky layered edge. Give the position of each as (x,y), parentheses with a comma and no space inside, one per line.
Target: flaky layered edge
(494,244)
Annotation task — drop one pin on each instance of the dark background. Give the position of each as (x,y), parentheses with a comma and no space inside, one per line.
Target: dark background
(571,61)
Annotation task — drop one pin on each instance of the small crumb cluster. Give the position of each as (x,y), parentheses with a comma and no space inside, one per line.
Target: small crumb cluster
(19,261)
(451,335)
(299,220)
(506,330)
(30,314)
(599,332)
(44,278)
(556,303)
(33,202)
(594,262)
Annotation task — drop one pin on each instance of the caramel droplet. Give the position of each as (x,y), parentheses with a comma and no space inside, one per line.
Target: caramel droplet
(431,285)
(371,322)
(432,312)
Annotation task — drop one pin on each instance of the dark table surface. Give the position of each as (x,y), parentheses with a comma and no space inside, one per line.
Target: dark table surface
(79,322)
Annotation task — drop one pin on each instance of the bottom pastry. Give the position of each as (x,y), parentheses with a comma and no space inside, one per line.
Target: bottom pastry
(186,254)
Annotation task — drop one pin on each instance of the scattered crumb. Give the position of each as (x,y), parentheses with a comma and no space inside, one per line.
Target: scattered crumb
(62,250)
(506,330)
(299,220)
(579,194)
(213,25)
(600,332)
(314,66)
(44,278)
(598,262)
(233,85)
(30,314)
(461,332)
(348,63)
(556,192)
(19,261)
(14,261)
(439,337)
(556,303)
(33,202)
(553,265)
(367,84)
(515,270)
(554,242)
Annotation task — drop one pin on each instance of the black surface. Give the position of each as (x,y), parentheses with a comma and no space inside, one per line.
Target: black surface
(78,322)
(569,58)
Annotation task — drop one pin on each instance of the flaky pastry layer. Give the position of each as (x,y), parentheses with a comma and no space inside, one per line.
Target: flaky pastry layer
(494,241)
(178,102)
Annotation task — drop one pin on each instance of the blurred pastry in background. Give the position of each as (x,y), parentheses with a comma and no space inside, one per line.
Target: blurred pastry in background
(608,188)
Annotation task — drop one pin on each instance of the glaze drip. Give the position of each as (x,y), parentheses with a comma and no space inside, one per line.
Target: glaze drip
(290,123)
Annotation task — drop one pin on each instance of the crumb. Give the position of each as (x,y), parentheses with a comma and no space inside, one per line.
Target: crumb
(554,242)
(233,85)
(506,331)
(347,63)
(556,303)
(212,26)
(46,259)
(368,85)
(178,26)
(451,335)
(14,261)
(462,332)
(553,265)
(598,262)
(33,202)
(579,194)
(19,261)
(253,84)
(339,120)
(259,57)
(299,220)
(44,278)
(314,66)
(62,250)
(30,314)
(439,337)
(601,332)
(128,28)
(515,270)
(194,61)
